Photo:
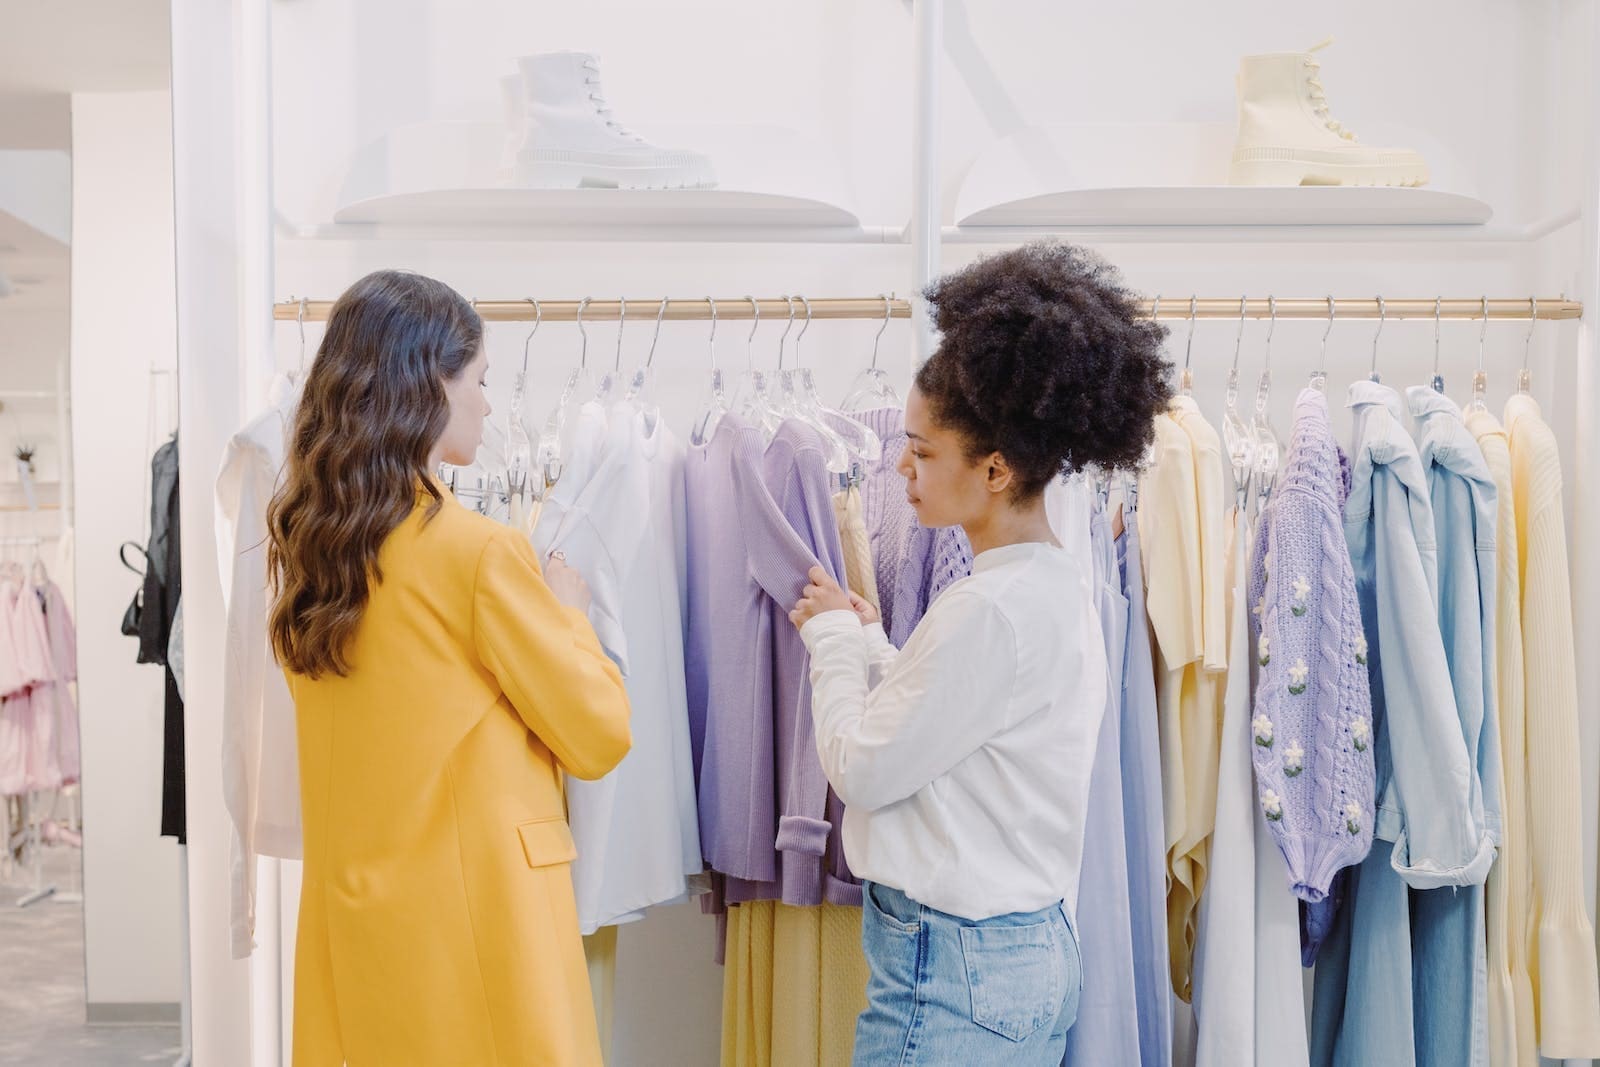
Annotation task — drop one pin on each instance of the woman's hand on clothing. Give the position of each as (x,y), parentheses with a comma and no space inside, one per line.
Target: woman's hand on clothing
(823,594)
(566,583)
(864,610)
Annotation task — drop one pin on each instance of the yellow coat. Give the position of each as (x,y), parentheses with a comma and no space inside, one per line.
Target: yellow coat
(437,920)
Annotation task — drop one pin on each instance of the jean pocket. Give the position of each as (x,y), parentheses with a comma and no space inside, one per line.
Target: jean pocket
(1016,975)
(886,918)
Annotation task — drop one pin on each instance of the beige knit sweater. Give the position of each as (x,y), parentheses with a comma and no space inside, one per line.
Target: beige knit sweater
(1561,950)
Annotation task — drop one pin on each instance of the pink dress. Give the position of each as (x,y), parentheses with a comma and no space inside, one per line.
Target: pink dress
(16,710)
(63,645)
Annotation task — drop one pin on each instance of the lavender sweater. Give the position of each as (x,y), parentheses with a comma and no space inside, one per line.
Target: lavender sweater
(760,518)
(913,563)
(1312,727)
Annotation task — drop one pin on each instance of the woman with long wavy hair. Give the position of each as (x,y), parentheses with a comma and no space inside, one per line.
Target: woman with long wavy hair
(443,683)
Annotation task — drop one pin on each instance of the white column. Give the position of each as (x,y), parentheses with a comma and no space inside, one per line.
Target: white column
(209,115)
(927,207)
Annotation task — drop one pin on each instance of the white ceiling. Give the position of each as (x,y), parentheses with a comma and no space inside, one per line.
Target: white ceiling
(52,48)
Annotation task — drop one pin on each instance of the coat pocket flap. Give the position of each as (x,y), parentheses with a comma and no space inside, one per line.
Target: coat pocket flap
(547,842)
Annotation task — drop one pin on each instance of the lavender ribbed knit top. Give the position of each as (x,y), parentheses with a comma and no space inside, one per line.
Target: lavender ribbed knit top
(913,563)
(1312,724)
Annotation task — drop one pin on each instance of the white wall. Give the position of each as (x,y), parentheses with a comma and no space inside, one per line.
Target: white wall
(1499,88)
(122,322)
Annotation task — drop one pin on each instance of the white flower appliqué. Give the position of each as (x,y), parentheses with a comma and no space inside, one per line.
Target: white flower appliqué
(1263,729)
(1359,732)
(1302,591)
(1293,759)
(1297,677)
(1271,805)
(1352,817)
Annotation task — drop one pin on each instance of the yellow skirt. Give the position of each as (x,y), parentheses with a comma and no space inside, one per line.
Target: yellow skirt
(794,983)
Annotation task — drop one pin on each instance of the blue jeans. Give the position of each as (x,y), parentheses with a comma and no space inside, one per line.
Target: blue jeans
(944,990)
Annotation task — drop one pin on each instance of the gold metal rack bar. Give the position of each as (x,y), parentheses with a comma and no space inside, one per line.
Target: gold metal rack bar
(1172,308)
(1457,308)
(678,310)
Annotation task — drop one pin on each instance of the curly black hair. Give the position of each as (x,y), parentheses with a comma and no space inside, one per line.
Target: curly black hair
(1046,360)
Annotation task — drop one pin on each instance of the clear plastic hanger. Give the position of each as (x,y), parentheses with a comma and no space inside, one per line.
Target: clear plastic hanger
(1383,316)
(1269,447)
(792,403)
(716,403)
(751,401)
(872,388)
(1438,379)
(1239,439)
(579,381)
(609,380)
(1525,376)
(519,443)
(1480,380)
(300,321)
(858,437)
(641,390)
(1186,379)
(1319,377)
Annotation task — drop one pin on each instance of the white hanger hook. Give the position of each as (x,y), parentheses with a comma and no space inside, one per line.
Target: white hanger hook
(1533,320)
(300,321)
(1238,339)
(583,357)
(750,342)
(1383,315)
(538,320)
(807,304)
(622,320)
(651,358)
(1272,327)
(1188,348)
(1483,332)
(787,299)
(887,307)
(713,341)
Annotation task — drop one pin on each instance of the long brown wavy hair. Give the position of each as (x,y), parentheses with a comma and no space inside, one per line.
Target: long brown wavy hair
(373,408)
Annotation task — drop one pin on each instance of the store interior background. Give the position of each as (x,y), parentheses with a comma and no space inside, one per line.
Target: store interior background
(1499,95)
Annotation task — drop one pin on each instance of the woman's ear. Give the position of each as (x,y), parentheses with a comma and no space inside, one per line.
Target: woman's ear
(1000,474)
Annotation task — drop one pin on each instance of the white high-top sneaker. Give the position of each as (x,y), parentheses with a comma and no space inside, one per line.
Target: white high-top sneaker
(1287,137)
(571,139)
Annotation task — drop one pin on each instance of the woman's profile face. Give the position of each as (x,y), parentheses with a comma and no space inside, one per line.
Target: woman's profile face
(469,406)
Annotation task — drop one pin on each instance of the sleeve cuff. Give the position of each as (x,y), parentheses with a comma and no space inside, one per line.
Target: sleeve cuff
(1424,873)
(798,833)
(819,626)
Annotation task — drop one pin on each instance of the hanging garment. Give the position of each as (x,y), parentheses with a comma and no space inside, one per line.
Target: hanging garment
(617,515)
(794,984)
(163,588)
(437,917)
(1225,946)
(1509,890)
(1181,501)
(931,728)
(1107,1027)
(63,644)
(783,502)
(1363,1010)
(860,574)
(1448,925)
(913,563)
(1312,717)
(1562,951)
(728,670)
(1142,815)
(260,768)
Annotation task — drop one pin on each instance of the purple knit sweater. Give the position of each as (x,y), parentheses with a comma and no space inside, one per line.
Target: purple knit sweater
(913,563)
(1312,727)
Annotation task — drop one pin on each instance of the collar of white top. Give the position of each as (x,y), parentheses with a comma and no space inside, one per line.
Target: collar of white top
(1017,553)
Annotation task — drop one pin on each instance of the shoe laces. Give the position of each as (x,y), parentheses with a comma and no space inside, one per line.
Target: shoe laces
(1319,95)
(603,109)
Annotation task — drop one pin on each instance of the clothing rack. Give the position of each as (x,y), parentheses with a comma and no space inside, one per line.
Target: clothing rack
(528,309)
(1161,306)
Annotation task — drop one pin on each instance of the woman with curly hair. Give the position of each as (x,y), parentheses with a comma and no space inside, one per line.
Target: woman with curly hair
(442,684)
(964,759)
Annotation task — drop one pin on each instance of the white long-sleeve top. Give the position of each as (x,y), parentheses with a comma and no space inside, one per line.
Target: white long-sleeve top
(260,766)
(964,760)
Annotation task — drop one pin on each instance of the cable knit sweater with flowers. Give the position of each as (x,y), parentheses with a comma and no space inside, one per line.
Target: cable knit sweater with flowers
(1312,728)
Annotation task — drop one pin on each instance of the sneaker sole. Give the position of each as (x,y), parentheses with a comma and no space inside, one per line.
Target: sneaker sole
(569,173)
(1303,171)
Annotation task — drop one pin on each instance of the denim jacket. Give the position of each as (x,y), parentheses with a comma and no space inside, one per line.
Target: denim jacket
(1430,802)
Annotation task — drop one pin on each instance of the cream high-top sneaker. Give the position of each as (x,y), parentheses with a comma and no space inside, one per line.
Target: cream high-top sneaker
(1287,137)
(571,138)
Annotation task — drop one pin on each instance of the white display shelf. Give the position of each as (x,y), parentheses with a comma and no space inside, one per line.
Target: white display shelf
(1223,205)
(438,180)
